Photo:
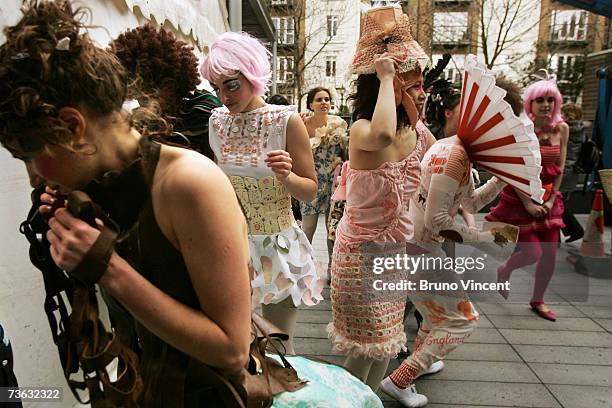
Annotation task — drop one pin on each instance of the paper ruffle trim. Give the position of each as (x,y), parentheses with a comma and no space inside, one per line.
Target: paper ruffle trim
(377,351)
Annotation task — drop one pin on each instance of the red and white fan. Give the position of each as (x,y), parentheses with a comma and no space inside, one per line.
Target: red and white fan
(494,137)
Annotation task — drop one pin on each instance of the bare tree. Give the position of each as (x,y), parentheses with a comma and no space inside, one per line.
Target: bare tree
(311,30)
(503,25)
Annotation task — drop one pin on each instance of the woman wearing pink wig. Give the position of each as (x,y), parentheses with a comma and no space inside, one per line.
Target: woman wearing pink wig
(539,224)
(264,149)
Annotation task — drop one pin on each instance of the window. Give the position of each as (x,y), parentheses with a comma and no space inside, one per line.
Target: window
(377,3)
(285,29)
(332,25)
(450,27)
(330,66)
(567,66)
(568,25)
(284,69)
(454,70)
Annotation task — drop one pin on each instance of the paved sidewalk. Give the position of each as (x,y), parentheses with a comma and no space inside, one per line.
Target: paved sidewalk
(514,358)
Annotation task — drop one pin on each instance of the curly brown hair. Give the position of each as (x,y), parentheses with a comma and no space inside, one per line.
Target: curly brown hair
(162,65)
(37,77)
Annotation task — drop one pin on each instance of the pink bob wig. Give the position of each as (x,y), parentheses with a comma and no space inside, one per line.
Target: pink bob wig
(540,88)
(233,52)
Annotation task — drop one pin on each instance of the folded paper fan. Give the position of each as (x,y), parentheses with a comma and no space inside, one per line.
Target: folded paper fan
(495,138)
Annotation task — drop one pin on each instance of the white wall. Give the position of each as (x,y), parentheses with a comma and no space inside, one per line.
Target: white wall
(343,45)
(21,285)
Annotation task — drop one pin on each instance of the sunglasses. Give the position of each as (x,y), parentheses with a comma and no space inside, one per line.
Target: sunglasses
(229,85)
(541,99)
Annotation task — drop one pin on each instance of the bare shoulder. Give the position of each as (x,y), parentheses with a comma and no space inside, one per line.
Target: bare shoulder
(296,121)
(563,130)
(184,173)
(188,184)
(360,127)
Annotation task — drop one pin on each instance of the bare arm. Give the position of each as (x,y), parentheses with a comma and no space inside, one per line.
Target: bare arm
(296,171)
(378,133)
(211,235)
(198,203)
(564,133)
(535,210)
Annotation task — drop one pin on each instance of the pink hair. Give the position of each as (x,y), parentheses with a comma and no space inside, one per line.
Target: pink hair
(233,52)
(542,88)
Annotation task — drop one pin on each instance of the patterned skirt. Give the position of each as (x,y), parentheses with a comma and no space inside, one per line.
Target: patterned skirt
(366,321)
(284,266)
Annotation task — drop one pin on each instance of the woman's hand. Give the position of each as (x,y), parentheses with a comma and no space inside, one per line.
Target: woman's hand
(70,239)
(385,66)
(51,200)
(280,162)
(535,210)
(337,161)
(548,205)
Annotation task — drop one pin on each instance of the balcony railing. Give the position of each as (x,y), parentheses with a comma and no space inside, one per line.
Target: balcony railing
(451,35)
(451,2)
(563,33)
(281,3)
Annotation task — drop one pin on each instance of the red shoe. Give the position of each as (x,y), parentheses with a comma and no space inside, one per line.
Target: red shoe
(548,315)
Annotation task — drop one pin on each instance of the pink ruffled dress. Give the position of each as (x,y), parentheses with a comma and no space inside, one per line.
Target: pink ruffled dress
(510,209)
(367,322)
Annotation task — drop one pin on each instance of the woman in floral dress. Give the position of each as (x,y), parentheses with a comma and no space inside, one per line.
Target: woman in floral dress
(328,139)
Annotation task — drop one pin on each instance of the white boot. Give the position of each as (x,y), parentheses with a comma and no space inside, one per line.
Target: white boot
(408,397)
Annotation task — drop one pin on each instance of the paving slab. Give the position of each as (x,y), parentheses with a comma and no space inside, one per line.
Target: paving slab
(484,352)
(487,393)
(591,300)
(395,404)
(565,355)
(495,371)
(557,338)
(311,330)
(605,323)
(537,323)
(313,316)
(520,298)
(576,396)
(581,290)
(603,312)
(573,374)
(304,345)
(522,309)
